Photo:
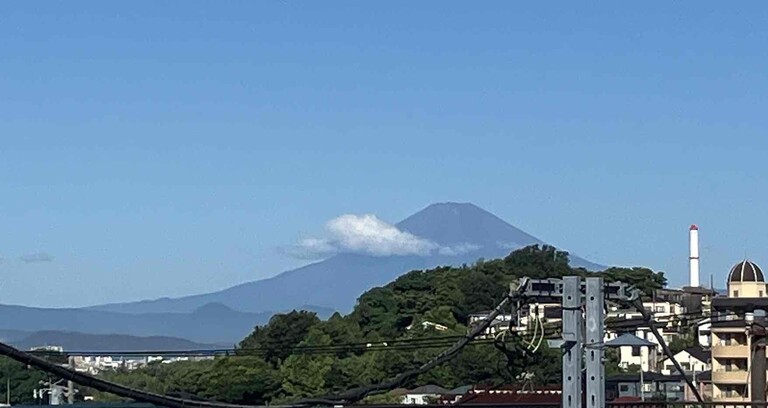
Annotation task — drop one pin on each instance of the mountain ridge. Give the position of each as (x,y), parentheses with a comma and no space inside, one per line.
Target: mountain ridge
(77,341)
(336,282)
(208,324)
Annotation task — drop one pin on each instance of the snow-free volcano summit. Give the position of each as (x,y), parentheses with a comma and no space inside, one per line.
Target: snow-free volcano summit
(463,233)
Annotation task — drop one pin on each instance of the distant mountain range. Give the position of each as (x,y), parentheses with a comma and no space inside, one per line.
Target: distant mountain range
(211,324)
(74,341)
(226,316)
(337,281)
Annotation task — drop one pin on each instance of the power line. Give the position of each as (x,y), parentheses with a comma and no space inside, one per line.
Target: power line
(171,402)
(377,345)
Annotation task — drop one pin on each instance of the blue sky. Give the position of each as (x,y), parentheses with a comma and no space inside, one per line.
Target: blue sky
(162,148)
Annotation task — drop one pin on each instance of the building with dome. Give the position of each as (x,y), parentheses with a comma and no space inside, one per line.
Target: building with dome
(746,280)
(731,332)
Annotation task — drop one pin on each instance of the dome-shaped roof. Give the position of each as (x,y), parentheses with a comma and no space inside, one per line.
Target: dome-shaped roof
(746,271)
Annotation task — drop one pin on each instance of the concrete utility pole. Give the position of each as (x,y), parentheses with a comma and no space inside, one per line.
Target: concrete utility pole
(572,337)
(758,362)
(594,346)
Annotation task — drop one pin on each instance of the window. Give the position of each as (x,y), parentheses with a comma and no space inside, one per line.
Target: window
(735,293)
(659,309)
(624,388)
(635,351)
(761,293)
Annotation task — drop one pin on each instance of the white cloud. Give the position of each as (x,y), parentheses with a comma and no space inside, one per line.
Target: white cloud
(311,248)
(367,234)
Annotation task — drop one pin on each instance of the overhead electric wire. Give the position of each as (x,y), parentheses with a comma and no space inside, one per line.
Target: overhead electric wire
(104,385)
(376,345)
(638,304)
(356,394)
(349,396)
(430,342)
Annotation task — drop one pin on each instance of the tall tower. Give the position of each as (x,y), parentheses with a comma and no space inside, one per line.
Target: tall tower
(693,259)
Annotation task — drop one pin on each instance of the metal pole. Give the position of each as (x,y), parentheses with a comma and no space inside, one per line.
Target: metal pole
(572,337)
(594,345)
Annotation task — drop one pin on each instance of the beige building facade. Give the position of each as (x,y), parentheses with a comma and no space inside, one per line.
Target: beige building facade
(731,340)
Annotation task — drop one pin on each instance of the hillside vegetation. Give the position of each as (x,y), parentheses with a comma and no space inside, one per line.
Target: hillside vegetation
(297,355)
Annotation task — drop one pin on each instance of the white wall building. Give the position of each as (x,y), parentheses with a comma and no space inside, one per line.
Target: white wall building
(692,359)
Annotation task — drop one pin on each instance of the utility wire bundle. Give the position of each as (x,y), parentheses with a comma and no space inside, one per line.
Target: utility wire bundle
(456,343)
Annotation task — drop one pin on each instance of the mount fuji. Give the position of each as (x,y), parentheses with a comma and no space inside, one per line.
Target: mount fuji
(337,281)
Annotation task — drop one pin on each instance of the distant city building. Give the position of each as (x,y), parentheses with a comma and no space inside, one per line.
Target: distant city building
(56,349)
(96,364)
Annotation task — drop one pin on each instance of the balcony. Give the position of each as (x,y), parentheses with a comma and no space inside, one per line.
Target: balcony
(730,377)
(734,351)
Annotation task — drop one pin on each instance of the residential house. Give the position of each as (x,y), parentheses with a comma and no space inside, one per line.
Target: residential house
(704,332)
(634,351)
(650,384)
(692,360)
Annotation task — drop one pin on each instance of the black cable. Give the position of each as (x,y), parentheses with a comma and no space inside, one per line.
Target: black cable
(171,402)
(107,386)
(324,349)
(359,393)
(346,397)
(638,304)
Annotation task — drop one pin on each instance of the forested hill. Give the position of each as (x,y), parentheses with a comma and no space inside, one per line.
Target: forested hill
(297,355)
(448,295)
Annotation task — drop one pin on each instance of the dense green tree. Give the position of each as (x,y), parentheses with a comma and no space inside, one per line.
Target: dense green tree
(377,312)
(538,262)
(22,381)
(242,380)
(642,278)
(283,332)
(304,375)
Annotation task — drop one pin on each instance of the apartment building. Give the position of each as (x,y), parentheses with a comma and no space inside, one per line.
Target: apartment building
(731,342)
